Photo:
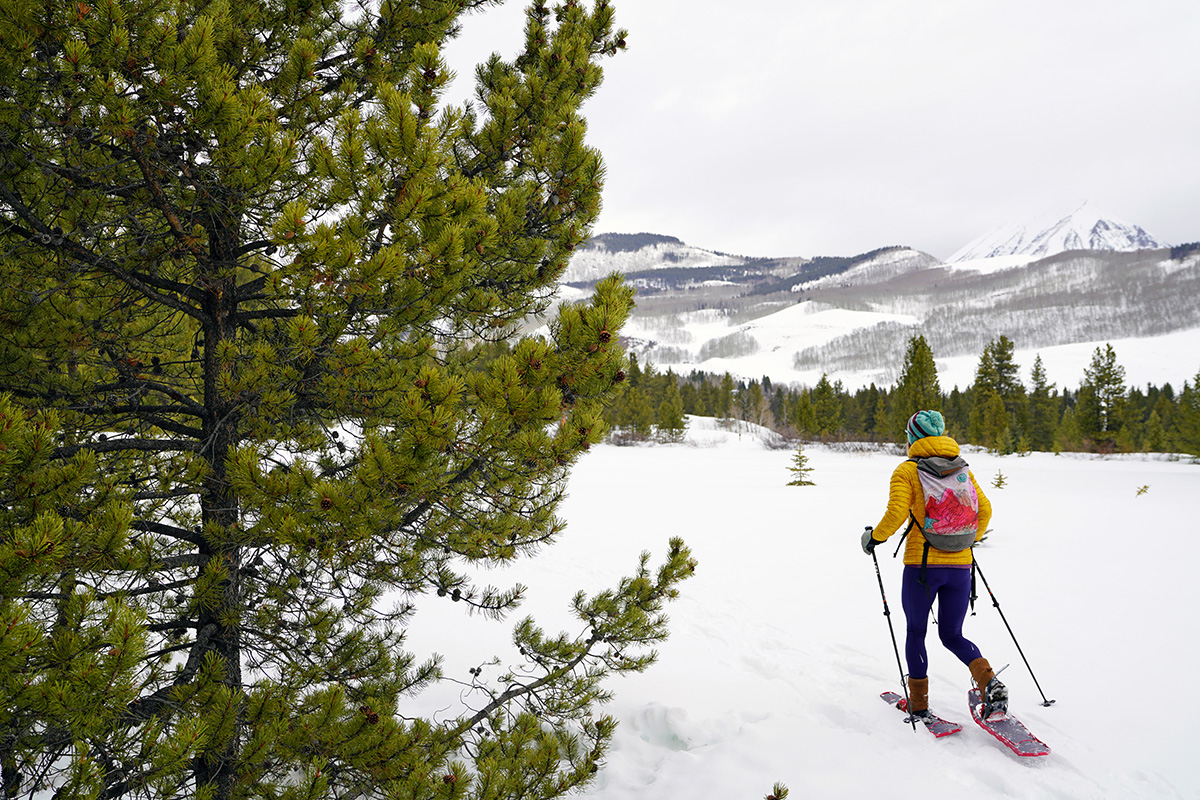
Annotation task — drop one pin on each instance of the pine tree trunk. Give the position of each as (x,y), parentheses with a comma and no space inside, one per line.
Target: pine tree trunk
(219,505)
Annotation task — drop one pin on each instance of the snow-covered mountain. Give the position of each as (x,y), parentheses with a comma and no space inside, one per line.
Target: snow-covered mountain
(1083,227)
(794,319)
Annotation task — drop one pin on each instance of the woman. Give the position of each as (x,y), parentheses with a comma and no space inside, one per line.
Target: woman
(930,572)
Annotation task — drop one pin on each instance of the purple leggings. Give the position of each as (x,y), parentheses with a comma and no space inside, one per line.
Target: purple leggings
(952,588)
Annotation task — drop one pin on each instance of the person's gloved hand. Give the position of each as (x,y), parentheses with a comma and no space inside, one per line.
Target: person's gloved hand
(868,541)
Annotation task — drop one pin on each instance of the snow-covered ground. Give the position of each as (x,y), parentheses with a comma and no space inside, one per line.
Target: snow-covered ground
(779,646)
(777,336)
(1171,358)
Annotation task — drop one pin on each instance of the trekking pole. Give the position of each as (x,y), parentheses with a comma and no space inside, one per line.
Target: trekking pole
(996,603)
(887,613)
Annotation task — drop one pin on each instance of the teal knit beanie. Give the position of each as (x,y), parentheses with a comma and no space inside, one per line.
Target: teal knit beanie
(925,423)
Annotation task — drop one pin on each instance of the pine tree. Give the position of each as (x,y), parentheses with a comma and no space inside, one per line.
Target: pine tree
(258,303)
(801,415)
(693,402)
(1042,406)
(918,387)
(827,407)
(640,422)
(776,406)
(990,420)
(997,375)
(670,421)
(884,417)
(1067,435)
(1154,434)
(957,412)
(800,468)
(723,405)
(1005,371)
(1187,418)
(862,419)
(1102,396)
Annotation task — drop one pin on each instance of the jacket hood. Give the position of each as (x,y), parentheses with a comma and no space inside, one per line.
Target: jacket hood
(942,446)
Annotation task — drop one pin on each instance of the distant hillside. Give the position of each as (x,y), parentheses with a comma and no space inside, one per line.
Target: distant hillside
(627,242)
(638,252)
(795,318)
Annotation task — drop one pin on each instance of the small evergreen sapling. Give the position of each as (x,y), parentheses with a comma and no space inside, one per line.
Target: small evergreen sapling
(800,468)
(999,482)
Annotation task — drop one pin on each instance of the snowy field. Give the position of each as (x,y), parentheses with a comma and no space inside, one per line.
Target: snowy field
(779,646)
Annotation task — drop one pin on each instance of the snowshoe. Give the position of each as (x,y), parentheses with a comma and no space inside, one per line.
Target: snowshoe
(995,700)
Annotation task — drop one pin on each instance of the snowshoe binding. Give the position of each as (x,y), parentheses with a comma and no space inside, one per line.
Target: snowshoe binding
(995,700)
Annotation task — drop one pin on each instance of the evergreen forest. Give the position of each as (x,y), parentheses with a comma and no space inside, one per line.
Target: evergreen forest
(998,411)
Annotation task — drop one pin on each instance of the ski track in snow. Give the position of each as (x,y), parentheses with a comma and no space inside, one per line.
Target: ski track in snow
(779,647)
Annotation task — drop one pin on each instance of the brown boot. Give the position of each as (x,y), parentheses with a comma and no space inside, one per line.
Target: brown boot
(918,694)
(992,692)
(981,673)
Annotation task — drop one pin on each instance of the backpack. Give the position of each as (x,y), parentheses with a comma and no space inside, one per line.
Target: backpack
(951,504)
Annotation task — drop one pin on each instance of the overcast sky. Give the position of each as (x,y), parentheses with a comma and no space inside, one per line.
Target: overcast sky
(832,127)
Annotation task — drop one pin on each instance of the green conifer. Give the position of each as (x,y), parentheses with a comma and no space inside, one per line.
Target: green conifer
(258,301)
(996,376)
(802,416)
(1154,434)
(917,387)
(640,423)
(1102,396)
(826,406)
(1042,405)
(670,421)
(1187,418)
(800,468)
(990,421)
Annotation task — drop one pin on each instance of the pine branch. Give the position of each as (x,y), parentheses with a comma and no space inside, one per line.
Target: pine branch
(131,445)
(158,703)
(151,526)
(520,690)
(46,236)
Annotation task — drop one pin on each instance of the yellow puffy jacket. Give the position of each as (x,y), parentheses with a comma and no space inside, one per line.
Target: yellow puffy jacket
(905,496)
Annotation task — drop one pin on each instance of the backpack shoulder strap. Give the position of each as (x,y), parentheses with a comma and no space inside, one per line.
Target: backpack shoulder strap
(912,523)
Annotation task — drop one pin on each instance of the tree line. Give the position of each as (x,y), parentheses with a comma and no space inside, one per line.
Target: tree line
(999,411)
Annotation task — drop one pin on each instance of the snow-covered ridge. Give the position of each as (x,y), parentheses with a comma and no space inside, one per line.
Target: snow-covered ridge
(884,266)
(1083,227)
(609,253)
(795,319)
